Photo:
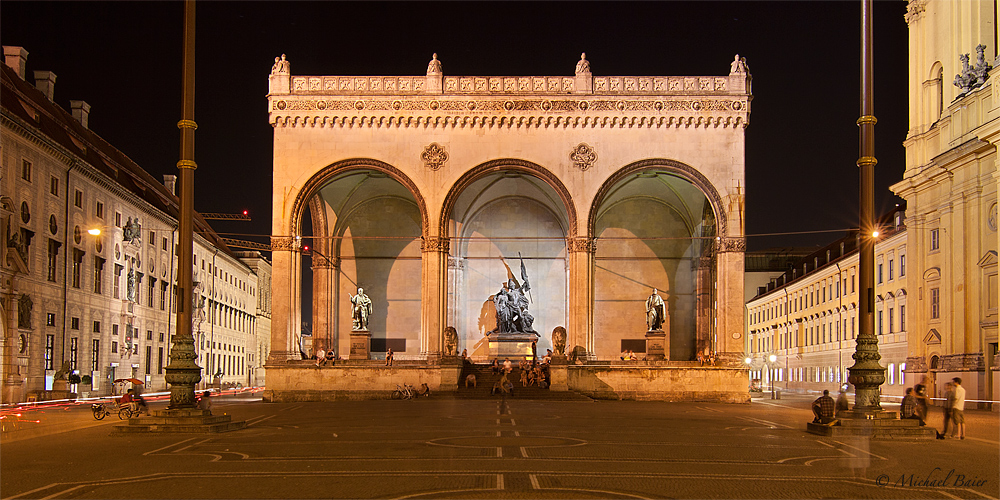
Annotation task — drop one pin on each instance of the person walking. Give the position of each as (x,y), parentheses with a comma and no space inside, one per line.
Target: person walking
(958,409)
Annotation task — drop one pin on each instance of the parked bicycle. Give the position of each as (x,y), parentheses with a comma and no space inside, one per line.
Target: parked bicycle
(404,392)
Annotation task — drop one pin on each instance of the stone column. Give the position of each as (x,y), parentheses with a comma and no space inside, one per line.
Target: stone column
(286,321)
(322,310)
(433,294)
(729,261)
(704,304)
(580,330)
(456,284)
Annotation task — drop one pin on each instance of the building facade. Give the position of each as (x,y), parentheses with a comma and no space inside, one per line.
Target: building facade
(950,185)
(423,191)
(260,265)
(88,270)
(807,318)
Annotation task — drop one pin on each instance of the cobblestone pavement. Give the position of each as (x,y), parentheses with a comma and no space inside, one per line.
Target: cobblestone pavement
(450,448)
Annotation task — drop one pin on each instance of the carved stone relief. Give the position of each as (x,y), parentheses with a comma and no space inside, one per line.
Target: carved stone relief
(434,156)
(583,156)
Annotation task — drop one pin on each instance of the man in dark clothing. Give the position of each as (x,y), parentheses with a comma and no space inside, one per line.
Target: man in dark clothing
(823,407)
(908,408)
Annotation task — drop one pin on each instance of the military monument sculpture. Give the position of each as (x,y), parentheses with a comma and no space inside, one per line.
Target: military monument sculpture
(361,310)
(514,330)
(657,340)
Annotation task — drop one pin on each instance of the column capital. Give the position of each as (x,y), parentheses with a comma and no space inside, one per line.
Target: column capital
(581,244)
(435,244)
(283,244)
(726,244)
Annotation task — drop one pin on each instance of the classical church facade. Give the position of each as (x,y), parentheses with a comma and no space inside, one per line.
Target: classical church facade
(431,191)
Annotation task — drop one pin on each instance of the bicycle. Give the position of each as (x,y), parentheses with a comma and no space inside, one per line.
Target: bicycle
(404,392)
(100,410)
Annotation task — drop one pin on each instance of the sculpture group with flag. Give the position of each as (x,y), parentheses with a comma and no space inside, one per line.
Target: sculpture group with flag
(512,301)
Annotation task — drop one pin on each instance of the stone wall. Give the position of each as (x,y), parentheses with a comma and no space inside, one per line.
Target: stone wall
(660,383)
(304,381)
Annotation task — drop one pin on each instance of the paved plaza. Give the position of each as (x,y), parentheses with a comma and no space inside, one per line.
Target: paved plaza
(442,447)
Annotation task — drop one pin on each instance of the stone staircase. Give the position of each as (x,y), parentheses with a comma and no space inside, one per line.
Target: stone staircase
(486,379)
(180,421)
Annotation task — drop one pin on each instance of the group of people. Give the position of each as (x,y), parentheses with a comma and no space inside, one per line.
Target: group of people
(628,355)
(324,357)
(914,406)
(915,403)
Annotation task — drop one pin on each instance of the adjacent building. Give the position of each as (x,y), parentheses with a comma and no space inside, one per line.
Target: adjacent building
(950,185)
(807,317)
(87,264)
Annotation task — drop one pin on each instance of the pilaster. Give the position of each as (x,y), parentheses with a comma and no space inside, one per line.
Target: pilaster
(580,330)
(286,312)
(433,294)
(729,261)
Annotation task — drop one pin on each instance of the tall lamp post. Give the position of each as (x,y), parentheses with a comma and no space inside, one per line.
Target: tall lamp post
(867,374)
(183,371)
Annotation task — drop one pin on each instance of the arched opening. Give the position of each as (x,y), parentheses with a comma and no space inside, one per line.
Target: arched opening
(654,229)
(363,228)
(506,214)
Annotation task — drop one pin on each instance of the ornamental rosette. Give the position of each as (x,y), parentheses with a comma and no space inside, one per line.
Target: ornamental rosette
(434,156)
(583,156)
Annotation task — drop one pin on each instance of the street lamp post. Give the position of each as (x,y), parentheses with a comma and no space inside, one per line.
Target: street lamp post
(772,358)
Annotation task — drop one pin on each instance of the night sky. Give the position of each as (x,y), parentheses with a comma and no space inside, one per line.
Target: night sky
(124,59)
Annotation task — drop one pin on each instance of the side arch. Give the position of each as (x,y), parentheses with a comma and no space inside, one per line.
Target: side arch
(319,179)
(507,164)
(673,166)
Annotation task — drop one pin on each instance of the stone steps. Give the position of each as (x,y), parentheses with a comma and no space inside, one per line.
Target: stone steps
(485,379)
(180,421)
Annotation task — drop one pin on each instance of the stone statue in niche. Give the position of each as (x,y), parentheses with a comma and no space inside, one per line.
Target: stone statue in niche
(655,312)
(132,230)
(559,340)
(24,306)
(450,341)
(434,67)
(130,285)
(361,309)
(583,65)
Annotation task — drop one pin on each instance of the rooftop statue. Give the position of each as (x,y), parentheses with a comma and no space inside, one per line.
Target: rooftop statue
(281,65)
(739,65)
(434,67)
(583,65)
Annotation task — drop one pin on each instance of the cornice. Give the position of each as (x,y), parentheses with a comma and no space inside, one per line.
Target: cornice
(501,122)
(16,125)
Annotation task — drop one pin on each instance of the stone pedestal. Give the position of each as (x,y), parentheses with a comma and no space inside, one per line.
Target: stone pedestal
(511,345)
(360,345)
(184,420)
(877,425)
(657,346)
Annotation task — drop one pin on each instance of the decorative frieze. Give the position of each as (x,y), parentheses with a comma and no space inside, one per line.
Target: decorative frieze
(498,122)
(546,105)
(283,243)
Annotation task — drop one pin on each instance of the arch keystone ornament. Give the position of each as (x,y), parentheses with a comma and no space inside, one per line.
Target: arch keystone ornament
(434,156)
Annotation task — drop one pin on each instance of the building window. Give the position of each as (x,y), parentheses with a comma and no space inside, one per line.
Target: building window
(149,334)
(878,273)
(149,359)
(114,329)
(53,259)
(152,290)
(161,336)
(891,371)
(54,185)
(890,319)
(118,219)
(159,361)
(902,374)
(50,345)
(880,322)
(935,303)
(77,265)
(163,296)
(50,319)
(117,287)
(97,327)
(100,210)
(902,318)
(26,170)
(935,240)
(164,243)
(902,266)
(98,274)
(95,356)
(114,346)
(72,352)
(891,262)
(78,199)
